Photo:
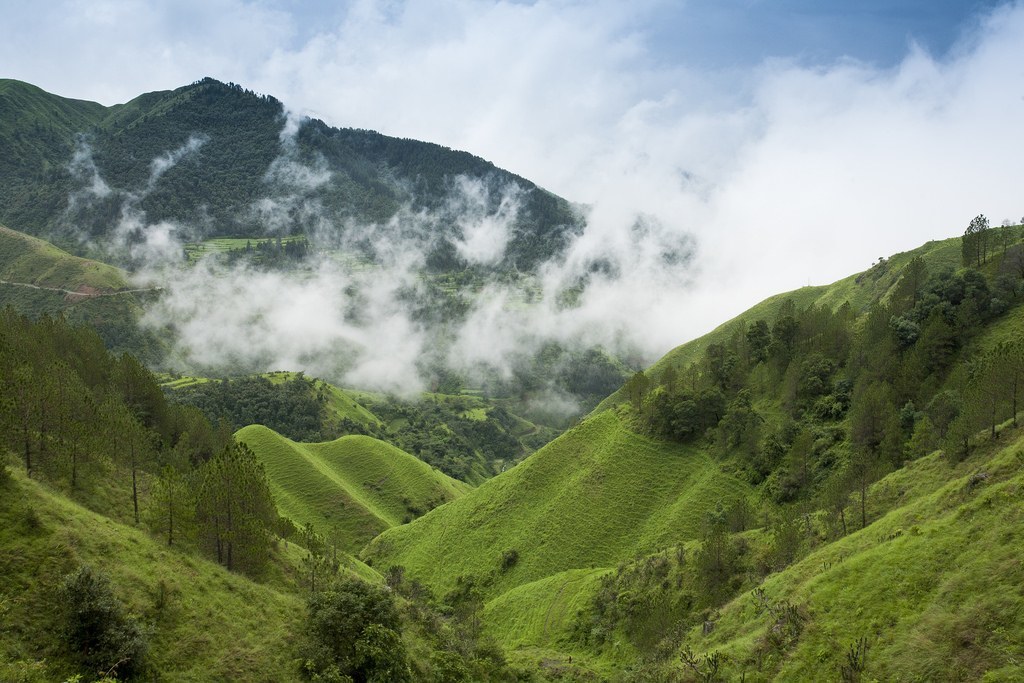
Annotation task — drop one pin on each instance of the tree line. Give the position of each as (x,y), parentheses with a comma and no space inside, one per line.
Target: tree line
(98,426)
(860,393)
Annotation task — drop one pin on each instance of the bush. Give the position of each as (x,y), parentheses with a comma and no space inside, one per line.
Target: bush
(354,630)
(104,637)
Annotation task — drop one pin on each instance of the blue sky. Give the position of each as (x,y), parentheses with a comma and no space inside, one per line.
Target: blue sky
(726,33)
(795,140)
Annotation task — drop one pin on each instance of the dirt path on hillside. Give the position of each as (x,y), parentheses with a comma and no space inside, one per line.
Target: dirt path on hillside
(83,295)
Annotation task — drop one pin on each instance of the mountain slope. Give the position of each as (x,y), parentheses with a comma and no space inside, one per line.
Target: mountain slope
(351,488)
(198,616)
(38,278)
(595,496)
(860,291)
(223,151)
(934,586)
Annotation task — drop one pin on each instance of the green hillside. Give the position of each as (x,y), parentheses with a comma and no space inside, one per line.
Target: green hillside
(860,291)
(597,495)
(37,278)
(933,585)
(350,489)
(199,617)
(26,260)
(769,494)
(467,437)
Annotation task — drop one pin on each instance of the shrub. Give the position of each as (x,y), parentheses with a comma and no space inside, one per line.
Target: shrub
(97,628)
(354,630)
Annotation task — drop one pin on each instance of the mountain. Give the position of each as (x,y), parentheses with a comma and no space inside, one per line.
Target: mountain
(210,155)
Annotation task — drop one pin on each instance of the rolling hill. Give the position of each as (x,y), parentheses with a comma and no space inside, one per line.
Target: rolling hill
(351,488)
(597,495)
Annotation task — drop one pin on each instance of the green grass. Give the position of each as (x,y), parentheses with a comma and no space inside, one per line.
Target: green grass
(354,487)
(219,245)
(206,629)
(595,496)
(934,584)
(25,259)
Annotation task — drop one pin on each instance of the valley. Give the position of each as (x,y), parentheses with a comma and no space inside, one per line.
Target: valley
(241,441)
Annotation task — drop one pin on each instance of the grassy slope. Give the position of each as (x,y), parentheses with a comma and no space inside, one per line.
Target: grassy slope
(935,584)
(31,260)
(208,629)
(356,485)
(595,496)
(534,621)
(860,290)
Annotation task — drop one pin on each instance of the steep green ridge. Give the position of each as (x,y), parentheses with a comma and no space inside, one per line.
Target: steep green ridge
(200,617)
(349,489)
(860,291)
(236,136)
(595,496)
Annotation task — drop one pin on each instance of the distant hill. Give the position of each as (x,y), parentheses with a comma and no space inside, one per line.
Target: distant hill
(37,278)
(237,135)
(350,489)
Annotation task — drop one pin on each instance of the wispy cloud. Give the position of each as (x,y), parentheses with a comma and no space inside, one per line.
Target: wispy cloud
(782,173)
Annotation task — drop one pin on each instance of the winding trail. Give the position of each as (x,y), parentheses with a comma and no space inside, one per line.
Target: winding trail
(84,295)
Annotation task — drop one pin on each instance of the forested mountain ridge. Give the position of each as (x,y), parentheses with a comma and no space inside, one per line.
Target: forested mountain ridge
(213,148)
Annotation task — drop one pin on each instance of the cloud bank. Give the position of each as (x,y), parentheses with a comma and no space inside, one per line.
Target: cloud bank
(778,175)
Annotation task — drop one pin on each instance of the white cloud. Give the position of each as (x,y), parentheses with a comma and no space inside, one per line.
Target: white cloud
(785,174)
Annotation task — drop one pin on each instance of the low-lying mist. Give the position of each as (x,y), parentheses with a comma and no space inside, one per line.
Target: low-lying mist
(365,309)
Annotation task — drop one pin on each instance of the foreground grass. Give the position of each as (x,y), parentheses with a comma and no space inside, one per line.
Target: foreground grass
(934,586)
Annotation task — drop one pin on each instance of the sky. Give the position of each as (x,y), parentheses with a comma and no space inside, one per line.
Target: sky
(795,141)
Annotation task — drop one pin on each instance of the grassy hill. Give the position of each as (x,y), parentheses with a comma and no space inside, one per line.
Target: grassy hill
(38,278)
(351,488)
(597,495)
(29,260)
(199,617)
